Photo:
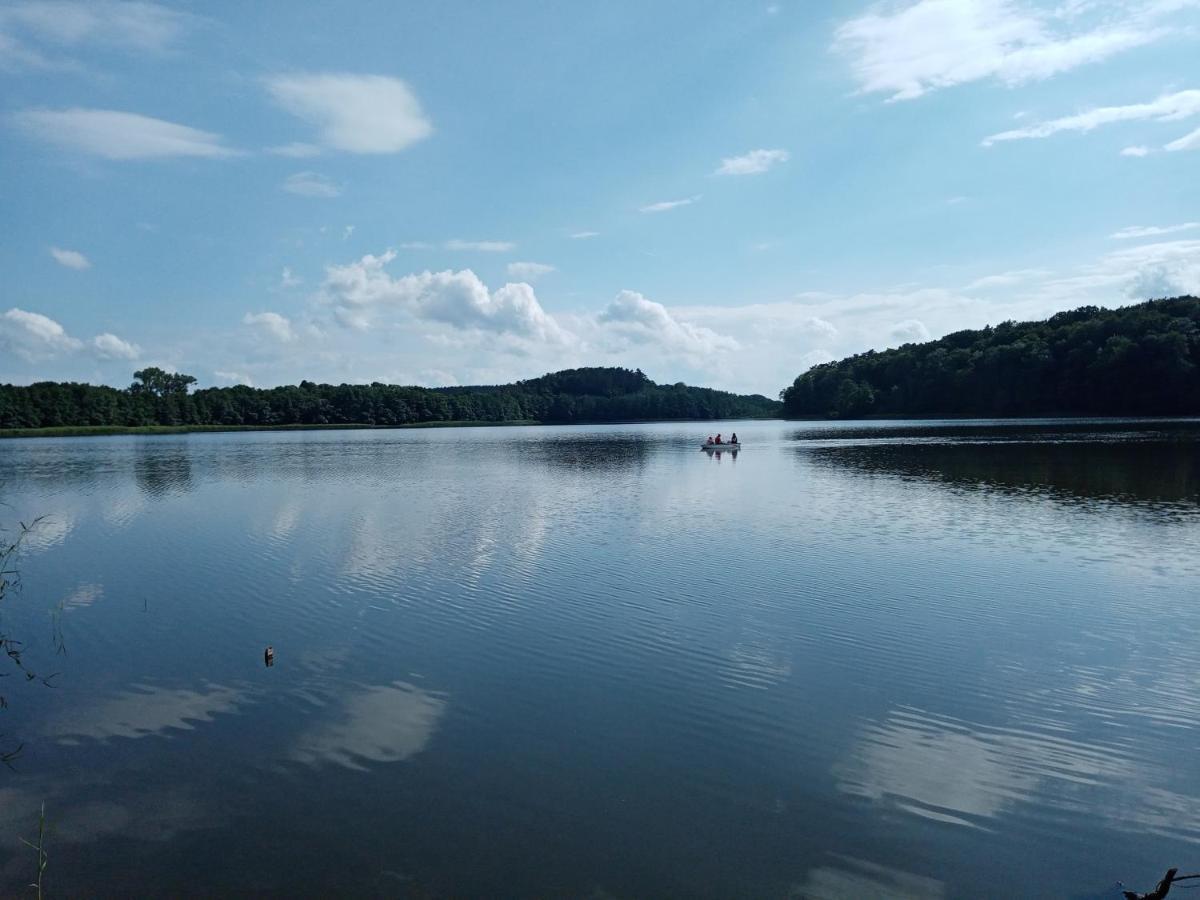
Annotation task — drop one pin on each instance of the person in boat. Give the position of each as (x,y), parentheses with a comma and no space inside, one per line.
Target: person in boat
(733,439)
(719,438)
(710,440)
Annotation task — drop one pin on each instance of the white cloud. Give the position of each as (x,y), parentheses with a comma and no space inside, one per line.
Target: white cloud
(644,321)
(288,280)
(361,290)
(664,205)
(1004,279)
(819,328)
(311,184)
(1190,141)
(346,232)
(34,337)
(137,25)
(909,50)
(584,235)
(1167,108)
(120,135)
(1163,269)
(295,150)
(109,346)
(354,113)
(752,163)
(454,323)
(235,377)
(459,244)
(14,56)
(271,323)
(485,246)
(910,331)
(1142,231)
(72,259)
(1157,270)
(780,340)
(528,271)
(1136,151)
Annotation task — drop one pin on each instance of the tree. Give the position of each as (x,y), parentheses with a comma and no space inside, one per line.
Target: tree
(853,398)
(1135,360)
(573,395)
(159,383)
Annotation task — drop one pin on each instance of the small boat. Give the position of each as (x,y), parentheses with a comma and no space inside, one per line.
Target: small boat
(722,446)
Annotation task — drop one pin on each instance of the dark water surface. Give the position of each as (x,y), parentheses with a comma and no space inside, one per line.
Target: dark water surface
(897,659)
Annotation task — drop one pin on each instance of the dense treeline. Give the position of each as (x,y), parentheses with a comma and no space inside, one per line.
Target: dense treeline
(1137,360)
(575,395)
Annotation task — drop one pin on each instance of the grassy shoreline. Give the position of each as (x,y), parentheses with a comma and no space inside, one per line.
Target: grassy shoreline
(92,430)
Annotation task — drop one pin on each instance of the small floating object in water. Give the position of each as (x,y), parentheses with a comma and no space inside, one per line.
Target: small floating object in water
(269,656)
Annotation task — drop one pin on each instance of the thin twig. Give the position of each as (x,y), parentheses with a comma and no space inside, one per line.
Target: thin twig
(1163,887)
(40,847)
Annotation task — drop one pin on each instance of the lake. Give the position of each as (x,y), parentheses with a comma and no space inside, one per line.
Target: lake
(903,659)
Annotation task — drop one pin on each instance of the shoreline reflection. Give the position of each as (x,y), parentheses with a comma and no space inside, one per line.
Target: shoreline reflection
(1158,472)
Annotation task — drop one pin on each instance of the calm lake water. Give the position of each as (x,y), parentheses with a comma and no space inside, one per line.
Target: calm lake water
(896,659)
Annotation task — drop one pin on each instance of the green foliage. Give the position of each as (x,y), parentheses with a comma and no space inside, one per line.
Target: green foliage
(596,382)
(575,395)
(853,398)
(1137,360)
(155,381)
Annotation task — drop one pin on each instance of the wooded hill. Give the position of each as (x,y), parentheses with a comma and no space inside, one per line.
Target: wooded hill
(1136,360)
(573,395)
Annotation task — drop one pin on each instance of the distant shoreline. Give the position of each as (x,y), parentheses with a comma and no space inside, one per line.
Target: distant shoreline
(992,417)
(118,430)
(165,403)
(102,430)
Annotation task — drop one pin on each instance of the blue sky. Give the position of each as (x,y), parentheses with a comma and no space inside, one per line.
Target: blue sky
(438,193)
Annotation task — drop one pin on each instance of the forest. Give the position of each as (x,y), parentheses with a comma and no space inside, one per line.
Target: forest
(575,395)
(1135,360)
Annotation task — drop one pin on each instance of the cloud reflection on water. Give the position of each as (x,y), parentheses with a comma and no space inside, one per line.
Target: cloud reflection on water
(379,724)
(142,814)
(145,711)
(850,879)
(155,815)
(82,596)
(960,773)
(47,532)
